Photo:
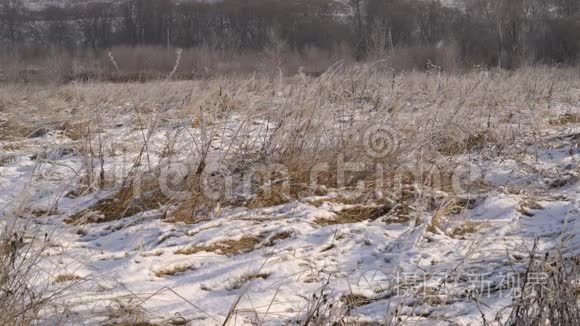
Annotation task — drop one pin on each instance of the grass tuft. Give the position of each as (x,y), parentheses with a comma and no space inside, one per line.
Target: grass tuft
(355,214)
(66,278)
(227,247)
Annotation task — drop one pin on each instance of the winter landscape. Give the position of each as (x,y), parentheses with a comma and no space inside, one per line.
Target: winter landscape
(406,187)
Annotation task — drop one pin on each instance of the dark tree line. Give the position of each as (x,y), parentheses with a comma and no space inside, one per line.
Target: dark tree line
(487,32)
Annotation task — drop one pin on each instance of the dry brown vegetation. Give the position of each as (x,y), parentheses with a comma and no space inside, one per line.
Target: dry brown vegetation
(226,247)
(123,204)
(296,121)
(355,214)
(242,280)
(434,115)
(467,227)
(565,119)
(355,300)
(66,278)
(172,270)
(28,290)
(553,302)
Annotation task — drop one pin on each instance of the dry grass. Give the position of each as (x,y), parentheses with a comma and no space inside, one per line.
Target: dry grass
(26,297)
(528,206)
(12,130)
(355,214)
(279,236)
(355,300)
(401,214)
(12,147)
(453,144)
(323,309)
(467,227)
(332,200)
(278,194)
(192,211)
(242,280)
(173,269)
(448,208)
(123,204)
(565,119)
(554,299)
(297,121)
(156,253)
(227,247)
(125,312)
(76,130)
(66,278)
(7,159)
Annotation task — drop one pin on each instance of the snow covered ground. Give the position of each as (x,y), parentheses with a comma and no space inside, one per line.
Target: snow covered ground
(443,266)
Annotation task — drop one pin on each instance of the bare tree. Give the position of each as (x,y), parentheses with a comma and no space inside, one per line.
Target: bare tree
(11,15)
(360,37)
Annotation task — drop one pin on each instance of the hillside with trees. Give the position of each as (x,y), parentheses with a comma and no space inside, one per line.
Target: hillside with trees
(486,33)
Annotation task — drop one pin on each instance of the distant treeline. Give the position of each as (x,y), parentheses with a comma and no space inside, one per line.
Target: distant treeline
(490,33)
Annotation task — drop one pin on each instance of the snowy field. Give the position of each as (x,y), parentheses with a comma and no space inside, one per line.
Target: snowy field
(415,199)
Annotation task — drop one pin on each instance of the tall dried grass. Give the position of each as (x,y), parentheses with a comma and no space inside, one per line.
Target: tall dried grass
(30,291)
(299,123)
(279,129)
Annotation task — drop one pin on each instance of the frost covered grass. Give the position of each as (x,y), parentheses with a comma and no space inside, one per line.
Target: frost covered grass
(359,196)
(29,293)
